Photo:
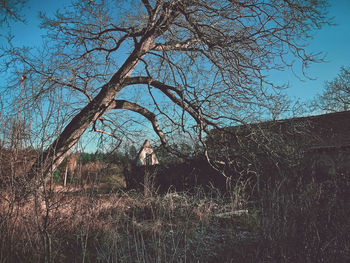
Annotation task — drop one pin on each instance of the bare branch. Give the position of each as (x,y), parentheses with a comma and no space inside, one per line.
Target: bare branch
(148,7)
(127,105)
(95,129)
(223,51)
(168,91)
(180,46)
(11,10)
(74,87)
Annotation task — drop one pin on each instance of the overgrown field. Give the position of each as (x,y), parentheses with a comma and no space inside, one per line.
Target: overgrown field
(282,223)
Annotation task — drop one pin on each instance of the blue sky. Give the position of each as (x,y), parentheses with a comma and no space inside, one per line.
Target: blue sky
(332,40)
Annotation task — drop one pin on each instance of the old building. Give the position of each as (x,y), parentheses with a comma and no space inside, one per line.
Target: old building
(308,148)
(147,155)
(315,145)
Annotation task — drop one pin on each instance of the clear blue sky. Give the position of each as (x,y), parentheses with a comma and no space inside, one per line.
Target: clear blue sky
(334,41)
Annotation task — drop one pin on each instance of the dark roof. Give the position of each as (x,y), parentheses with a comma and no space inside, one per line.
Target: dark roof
(314,132)
(330,130)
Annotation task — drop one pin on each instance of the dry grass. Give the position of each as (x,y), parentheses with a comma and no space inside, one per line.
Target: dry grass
(78,226)
(287,223)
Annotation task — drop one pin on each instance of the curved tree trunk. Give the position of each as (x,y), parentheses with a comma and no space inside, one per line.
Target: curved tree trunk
(60,148)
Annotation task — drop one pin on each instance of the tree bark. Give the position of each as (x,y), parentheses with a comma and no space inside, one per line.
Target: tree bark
(104,101)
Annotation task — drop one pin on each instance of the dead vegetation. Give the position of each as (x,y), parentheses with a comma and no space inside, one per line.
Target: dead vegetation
(287,219)
(78,226)
(307,223)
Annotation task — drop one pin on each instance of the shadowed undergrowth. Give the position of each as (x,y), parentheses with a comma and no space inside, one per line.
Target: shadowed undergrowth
(307,223)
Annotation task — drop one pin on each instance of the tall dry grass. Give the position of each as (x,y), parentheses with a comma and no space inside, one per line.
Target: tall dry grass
(287,220)
(80,226)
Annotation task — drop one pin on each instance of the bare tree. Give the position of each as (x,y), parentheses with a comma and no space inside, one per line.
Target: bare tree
(336,94)
(11,10)
(184,65)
